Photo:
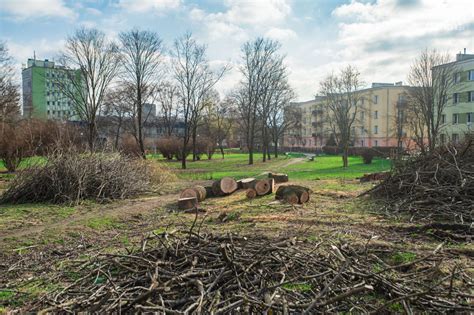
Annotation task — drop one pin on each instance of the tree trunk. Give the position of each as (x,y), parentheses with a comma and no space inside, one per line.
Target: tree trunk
(276,148)
(91,135)
(183,155)
(194,135)
(222,150)
(140,125)
(117,135)
(345,161)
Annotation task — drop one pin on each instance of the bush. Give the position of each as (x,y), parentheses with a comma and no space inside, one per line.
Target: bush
(171,147)
(367,155)
(26,138)
(129,146)
(14,145)
(69,177)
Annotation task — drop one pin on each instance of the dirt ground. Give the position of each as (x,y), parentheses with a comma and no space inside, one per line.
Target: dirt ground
(33,247)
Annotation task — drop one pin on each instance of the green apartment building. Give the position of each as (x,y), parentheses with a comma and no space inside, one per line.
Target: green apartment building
(43,86)
(458,116)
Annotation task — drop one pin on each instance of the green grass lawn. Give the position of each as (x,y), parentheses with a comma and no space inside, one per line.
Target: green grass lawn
(236,165)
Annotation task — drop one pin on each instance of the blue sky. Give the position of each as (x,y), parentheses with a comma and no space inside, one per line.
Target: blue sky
(380,37)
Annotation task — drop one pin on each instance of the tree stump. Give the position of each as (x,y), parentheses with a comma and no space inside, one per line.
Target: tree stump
(278,177)
(251,193)
(224,186)
(187,203)
(197,191)
(288,193)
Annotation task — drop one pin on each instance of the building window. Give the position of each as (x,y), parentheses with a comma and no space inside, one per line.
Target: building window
(456,98)
(47,103)
(470,96)
(376,114)
(443,118)
(470,117)
(455,138)
(362,130)
(362,115)
(455,118)
(376,129)
(361,143)
(457,77)
(470,75)
(442,138)
(376,143)
(376,99)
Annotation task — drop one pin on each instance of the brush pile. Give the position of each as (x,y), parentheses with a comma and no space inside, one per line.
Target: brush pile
(438,186)
(70,177)
(192,274)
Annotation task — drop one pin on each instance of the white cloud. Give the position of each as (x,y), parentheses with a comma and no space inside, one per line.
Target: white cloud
(255,11)
(281,34)
(23,9)
(149,5)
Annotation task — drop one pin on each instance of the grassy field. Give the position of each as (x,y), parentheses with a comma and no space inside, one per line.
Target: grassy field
(298,168)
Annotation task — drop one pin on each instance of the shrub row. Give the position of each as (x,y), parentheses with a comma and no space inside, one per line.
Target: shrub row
(172,147)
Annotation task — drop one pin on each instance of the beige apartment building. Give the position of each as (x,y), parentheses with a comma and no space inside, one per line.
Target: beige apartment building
(458,115)
(376,125)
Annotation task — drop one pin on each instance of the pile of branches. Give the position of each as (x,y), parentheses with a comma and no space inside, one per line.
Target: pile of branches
(192,274)
(438,186)
(69,177)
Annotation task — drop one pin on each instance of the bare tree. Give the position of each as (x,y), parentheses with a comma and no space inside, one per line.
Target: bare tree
(91,63)
(194,80)
(260,63)
(9,95)
(168,97)
(218,121)
(431,77)
(282,117)
(343,101)
(118,110)
(142,58)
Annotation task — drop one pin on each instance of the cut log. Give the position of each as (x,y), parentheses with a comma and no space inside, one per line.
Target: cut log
(197,191)
(187,203)
(262,186)
(247,182)
(278,177)
(224,186)
(251,193)
(209,192)
(289,192)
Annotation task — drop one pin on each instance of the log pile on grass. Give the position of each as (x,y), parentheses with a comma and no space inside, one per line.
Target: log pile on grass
(438,186)
(293,194)
(70,177)
(173,274)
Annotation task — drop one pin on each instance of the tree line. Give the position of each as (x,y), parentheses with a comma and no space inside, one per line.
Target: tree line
(112,79)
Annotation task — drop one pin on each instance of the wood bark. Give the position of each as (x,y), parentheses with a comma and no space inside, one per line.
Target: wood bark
(278,177)
(289,192)
(263,186)
(251,193)
(197,191)
(224,186)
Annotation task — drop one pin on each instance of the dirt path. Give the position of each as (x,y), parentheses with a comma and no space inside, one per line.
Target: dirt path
(122,209)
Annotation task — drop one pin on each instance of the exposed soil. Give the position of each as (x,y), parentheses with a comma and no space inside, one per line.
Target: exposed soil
(330,216)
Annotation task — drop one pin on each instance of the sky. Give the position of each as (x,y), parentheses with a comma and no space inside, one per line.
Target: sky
(380,37)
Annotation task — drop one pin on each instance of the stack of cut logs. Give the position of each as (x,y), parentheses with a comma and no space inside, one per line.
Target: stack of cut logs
(190,197)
